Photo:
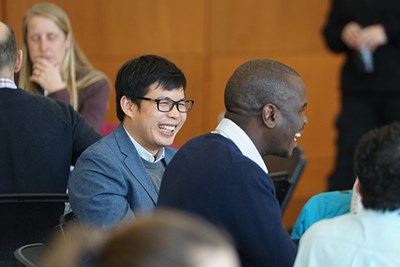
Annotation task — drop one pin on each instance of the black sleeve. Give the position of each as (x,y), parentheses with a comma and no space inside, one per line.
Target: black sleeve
(82,133)
(333,27)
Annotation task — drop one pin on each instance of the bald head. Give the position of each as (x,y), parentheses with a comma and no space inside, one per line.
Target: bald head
(8,49)
(256,83)
(267,100)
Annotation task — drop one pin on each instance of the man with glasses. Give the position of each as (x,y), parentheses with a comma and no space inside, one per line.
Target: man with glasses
(121,174)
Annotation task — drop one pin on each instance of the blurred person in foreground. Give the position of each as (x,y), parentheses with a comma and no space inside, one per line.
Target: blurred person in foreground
(163,239)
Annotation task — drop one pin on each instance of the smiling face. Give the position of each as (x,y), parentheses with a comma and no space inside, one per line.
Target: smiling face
(151,128)
(293,117)
(46,40)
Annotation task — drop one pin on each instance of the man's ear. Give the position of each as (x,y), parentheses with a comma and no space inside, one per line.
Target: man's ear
(270,115)
(18,63)
(127,106)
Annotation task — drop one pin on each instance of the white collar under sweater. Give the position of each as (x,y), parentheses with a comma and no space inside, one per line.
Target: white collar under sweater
(233,132)
(143,153)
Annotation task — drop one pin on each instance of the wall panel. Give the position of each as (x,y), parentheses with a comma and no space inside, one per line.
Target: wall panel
(261,26)
(208,39)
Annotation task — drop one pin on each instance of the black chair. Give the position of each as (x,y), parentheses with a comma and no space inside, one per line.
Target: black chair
(30,255)
(27,219)
(285,173)
(66,220)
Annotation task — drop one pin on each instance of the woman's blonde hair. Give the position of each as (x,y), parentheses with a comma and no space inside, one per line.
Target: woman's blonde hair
(75,64)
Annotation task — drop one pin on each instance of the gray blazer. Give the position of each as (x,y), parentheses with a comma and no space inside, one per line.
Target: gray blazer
(109,183)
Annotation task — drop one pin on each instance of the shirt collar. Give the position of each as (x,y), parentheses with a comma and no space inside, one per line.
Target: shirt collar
(232,131)
(7,83)
(144,154)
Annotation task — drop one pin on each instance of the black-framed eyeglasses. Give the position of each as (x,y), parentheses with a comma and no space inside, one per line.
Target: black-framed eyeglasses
(167,104)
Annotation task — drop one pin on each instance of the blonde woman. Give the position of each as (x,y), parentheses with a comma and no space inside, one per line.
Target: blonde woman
(54,65)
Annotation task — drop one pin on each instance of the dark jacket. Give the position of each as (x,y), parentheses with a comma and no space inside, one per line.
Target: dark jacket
(386,75)
(40,139)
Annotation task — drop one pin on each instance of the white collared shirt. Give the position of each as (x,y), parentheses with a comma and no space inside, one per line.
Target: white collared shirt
(233,132)
(368,238)
(144,154)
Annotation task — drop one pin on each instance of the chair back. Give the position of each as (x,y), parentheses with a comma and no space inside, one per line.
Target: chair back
(27,218)
(67,219)
(285,173)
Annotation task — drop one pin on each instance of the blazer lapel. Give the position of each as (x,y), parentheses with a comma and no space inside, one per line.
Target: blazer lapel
(134,163)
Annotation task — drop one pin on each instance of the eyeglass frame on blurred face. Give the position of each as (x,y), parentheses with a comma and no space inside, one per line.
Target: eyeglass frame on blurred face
(170,104)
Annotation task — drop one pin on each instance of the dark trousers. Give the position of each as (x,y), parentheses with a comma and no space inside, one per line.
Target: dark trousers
(359,114)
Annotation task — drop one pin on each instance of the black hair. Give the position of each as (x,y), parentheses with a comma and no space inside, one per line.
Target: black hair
(135,77)
(256,83)
(377,166)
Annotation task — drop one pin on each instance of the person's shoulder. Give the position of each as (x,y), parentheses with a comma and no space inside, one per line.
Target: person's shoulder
(212,139)
(105,143)
(205,144)
(15,93)
(171,150)
(216,144)
(92,77)
(58,108)
(40,100)
(100,82)
(331,227)
(103,80)
(99,150)
(108,145)
(97,88)
(42,106)
(221,150)
(331,200)
(23,94)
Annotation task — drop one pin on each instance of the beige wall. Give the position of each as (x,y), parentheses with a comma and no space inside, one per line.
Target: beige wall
(208,39)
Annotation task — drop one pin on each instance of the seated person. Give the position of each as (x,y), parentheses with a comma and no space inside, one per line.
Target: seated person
(369,237)
(222,176)
(55,66)
(39,138)
(324,206)
(162,239)
(121,174)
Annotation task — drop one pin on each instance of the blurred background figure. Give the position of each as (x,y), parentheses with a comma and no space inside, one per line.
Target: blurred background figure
(163,239)
(368,33)
(55,66)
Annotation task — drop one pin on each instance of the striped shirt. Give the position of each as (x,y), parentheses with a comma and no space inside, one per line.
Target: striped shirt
(7,83)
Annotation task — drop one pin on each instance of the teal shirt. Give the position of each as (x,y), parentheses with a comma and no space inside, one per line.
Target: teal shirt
(322,206)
